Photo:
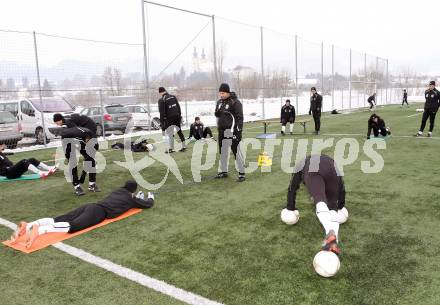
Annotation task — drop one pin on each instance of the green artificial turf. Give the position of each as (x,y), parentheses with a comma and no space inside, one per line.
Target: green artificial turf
(224,240)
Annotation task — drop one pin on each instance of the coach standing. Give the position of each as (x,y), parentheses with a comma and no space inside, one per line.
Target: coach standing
(432,103)
(170,118)
(315,108)
(229,113)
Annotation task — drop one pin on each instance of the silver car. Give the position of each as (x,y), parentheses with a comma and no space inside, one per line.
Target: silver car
(9,129)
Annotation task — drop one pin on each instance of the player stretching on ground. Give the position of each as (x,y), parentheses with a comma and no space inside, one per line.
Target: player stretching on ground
(114,205)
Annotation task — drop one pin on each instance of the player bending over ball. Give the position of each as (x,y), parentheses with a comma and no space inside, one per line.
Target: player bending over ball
(114,205)
(326,187)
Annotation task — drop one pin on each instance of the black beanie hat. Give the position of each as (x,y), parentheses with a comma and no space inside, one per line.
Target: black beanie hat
(58,117)
(313,89)
(224,88)
(162,89)
(432,83)
(131,186)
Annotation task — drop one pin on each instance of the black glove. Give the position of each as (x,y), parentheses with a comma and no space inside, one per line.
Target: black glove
(310,112)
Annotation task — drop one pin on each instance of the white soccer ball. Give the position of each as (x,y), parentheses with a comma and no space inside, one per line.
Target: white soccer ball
(289,217)
(326,263)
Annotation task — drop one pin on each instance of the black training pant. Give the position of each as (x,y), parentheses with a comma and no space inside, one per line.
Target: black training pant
(284,121)
(20,168)
(83,217)
(431,115)
(176,122)
(317,119)
(325,185)
(371,105)
(89,156)
(405,100)
(207,132)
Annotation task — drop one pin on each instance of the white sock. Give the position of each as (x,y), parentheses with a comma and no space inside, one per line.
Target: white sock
(57,227)
(33,169)
(325,218)
(283,128)
(291,128)
(91,183)
(44,166)
(40,222)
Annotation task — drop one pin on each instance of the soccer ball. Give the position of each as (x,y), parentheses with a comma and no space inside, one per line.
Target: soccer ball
(326,263)
(289,217)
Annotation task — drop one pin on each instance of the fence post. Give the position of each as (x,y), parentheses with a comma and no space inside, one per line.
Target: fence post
(388,83)
(102,112)
(262,70)
(39,90)
(375,77)
(296,73)
(322,68)
(186,113)
(215,55)
(349,86)
(365,77)
(333,77)
(146,69)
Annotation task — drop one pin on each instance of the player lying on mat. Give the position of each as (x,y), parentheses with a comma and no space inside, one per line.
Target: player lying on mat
(13,171)
(114,205)
(320,176)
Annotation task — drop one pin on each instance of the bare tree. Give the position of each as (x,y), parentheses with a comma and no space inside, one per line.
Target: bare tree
(221,48)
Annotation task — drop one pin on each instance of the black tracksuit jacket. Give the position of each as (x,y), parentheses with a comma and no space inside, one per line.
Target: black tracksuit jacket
(432,98)
(77,120)
(288,113)
(120,201)
(315,103)
(229,114)
(169,110)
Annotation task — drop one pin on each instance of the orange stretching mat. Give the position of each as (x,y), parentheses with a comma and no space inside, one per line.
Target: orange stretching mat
(48,239)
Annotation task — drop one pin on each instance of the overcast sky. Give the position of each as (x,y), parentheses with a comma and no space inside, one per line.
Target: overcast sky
(406,32)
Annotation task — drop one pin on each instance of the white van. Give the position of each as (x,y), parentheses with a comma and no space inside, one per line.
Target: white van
(30,113)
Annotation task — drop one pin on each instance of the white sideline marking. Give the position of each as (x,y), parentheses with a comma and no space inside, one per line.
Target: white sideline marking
(414,115)
(142,279)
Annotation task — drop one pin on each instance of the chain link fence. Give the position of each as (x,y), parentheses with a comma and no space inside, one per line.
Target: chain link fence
(263,66)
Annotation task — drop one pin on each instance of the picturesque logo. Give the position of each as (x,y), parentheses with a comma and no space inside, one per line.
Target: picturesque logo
(205,154)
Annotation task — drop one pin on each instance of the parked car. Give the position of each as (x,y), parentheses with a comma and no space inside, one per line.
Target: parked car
(114,117)
(30,113)
(141,119)
(9,129)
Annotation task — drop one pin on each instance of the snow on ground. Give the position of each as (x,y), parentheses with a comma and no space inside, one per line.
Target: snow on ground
(252,110)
